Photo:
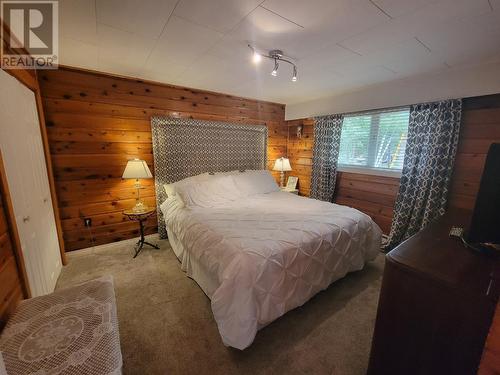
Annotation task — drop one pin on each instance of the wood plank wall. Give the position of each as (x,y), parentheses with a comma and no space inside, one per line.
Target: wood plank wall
(373,195)
(376,195)
(96,122)
(479,129)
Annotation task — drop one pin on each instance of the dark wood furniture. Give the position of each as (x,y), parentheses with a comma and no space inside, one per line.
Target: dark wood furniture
(141,217)
(436,304)
(490,361)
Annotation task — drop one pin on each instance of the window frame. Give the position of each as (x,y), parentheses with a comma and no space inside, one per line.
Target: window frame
(385,172)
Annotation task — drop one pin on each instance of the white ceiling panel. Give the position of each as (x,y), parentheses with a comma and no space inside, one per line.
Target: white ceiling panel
(211,70)
(233,50)
(146,18)
(407,58)
(219,15)
(182,42)
(133,53)
(337,45)
(429,16)
(74,52)
(397,8)
(442,11)
(488,21)
(448,40)
(77,20)
(317,13)
(378,38)
(166,72)
(265,26)
(267,30)
(326,22)
(364,73)
(327,58)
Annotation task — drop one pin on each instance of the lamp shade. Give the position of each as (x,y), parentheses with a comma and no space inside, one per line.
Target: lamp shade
(137,168)
(282,165)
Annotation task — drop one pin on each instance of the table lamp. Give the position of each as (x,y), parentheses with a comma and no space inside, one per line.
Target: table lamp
(137,169)
(283,165)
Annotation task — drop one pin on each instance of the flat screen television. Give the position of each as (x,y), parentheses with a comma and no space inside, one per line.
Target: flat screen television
(485,223)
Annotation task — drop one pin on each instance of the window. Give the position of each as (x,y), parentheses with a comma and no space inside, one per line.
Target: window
(375,140)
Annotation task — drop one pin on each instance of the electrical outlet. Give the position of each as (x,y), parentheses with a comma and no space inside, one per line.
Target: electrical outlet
(87,221)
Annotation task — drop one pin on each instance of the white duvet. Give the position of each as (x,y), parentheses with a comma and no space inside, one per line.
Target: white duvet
(264,255)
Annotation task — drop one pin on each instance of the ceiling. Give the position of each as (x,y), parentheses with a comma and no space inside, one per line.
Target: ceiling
(338,45)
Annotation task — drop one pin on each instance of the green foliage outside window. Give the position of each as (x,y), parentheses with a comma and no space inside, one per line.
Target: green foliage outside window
(375,140)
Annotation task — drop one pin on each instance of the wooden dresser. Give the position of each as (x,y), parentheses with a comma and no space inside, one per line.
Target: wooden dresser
(436,305)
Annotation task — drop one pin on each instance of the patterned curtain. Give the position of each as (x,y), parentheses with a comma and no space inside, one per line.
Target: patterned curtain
(430,153)
(327,131)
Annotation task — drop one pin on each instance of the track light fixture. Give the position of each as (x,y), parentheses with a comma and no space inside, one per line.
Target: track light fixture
(274,73)
(256,57)
(277,56)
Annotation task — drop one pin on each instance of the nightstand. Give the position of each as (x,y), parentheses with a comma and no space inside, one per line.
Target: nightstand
(141,217)
(294,191)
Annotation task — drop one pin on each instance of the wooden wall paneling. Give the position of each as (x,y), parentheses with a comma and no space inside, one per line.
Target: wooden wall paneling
(300,152)
(373,195)
(376,195)
(96,122)
(479,129)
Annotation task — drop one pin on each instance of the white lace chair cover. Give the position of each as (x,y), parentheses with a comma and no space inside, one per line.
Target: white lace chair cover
(71,331)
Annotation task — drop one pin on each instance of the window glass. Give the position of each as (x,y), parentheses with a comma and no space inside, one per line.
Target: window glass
(374,140)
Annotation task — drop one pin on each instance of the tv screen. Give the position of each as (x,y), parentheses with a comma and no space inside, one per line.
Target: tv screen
(485,223)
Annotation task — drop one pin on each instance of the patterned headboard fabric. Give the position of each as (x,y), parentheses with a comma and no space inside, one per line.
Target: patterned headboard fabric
(186,147)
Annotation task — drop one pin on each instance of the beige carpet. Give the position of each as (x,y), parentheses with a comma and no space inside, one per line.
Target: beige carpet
(167,327)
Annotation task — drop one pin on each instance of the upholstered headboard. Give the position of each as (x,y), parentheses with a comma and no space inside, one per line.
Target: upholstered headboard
(187,147)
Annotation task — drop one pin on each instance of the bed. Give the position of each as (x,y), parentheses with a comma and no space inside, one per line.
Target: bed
(258,252)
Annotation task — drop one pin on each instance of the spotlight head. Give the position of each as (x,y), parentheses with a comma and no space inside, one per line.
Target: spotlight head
(274,73)
(294,77)
(256,57)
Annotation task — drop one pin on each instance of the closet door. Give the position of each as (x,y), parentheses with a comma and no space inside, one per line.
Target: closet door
(24,162)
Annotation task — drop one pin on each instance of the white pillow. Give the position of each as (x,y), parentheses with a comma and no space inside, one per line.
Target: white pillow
(210,192)
(225,173)
(255,182)
(170,189)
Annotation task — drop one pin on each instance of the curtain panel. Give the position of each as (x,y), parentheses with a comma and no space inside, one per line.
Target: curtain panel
(433,133)
(327,130)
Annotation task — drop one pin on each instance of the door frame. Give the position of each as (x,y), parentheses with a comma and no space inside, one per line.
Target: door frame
(13,231)
(29,78)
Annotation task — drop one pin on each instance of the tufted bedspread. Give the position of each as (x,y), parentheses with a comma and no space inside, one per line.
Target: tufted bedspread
(262,256)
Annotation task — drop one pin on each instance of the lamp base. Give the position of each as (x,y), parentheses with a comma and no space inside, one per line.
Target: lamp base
(139,207)
(282,179)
